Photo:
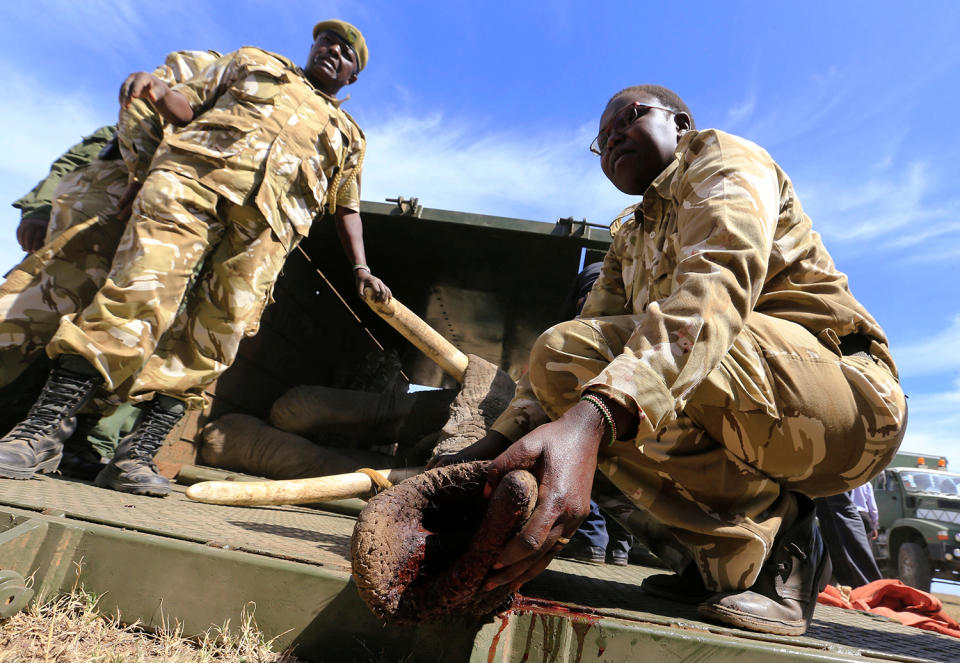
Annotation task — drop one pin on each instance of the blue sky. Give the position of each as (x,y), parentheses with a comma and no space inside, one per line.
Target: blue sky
(489,107)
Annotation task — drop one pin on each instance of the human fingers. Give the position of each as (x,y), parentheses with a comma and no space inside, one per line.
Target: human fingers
(124,96)
(521,455)
(520,571)
(536,537)
(536,567)
(33,238)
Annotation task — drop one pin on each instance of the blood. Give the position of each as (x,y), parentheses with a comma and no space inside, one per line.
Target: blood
(504,620)
(552,608)
(582,621)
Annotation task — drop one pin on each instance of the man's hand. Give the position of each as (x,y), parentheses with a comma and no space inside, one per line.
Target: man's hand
(489,446)
(874,534)
(142,85)
(365,279)
(172,105)
(563,456)
(30,233)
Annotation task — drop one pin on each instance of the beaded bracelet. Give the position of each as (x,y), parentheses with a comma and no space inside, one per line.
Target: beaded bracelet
(605,411)
(356,267)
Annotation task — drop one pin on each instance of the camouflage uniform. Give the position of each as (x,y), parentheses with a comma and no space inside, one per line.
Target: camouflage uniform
(721,321)
(37,204)
(62,277)
(237,187)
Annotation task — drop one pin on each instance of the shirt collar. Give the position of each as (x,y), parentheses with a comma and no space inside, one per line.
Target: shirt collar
(662,182)
(329,97)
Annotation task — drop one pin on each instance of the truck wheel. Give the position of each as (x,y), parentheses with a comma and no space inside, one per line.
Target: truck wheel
(913,566)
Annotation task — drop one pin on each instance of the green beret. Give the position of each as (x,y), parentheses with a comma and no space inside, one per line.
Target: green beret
(352,36)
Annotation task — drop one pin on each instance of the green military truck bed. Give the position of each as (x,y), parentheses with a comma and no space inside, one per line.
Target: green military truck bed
(157,560)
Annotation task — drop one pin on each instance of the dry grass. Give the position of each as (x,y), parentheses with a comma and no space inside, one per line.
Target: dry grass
(70,630)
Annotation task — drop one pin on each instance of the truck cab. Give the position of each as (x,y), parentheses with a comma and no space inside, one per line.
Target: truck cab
(919,508)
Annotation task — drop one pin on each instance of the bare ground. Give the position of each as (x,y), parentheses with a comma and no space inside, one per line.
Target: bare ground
(951,604)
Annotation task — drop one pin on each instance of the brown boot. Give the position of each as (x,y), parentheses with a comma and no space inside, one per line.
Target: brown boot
(782,599)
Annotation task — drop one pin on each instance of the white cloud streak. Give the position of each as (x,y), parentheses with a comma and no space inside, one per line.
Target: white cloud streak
(937,354)
(933,424)
(449,164)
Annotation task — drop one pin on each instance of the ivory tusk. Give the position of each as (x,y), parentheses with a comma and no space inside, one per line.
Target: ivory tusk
(293,491)
(429,341)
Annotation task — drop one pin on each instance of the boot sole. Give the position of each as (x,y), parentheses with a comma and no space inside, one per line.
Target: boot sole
(134,488)
(753,623)
(21,473)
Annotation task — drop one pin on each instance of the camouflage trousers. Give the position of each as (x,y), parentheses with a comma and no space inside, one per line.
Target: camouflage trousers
(720,474)
(155,326)
(62,277)
(91,190)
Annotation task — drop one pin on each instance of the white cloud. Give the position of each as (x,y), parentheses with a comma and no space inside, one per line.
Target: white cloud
(933,424)
(937,354)
(453,164)
(743,110)
(47,122)
(892,209)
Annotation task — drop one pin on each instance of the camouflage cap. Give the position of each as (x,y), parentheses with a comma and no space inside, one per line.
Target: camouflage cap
(352,36)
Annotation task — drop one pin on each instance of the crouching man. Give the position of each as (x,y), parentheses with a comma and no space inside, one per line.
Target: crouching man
(721,374)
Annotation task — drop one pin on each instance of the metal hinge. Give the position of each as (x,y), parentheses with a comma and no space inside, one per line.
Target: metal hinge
(406,206)
(571,227)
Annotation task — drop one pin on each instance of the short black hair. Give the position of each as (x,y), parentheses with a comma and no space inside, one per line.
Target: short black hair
(667,97)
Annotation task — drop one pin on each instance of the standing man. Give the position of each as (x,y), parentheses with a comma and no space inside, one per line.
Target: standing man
(262,151)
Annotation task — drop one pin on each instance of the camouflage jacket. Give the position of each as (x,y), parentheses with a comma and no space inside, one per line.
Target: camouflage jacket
(37,204)
(720,233)
(263,134)
(140,126)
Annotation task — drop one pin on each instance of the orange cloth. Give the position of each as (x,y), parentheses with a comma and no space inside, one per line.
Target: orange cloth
(893,599)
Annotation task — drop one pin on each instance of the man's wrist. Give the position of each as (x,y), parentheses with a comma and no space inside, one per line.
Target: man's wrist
(624,421)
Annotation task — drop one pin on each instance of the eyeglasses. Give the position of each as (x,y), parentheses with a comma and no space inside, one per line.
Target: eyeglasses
(623,119)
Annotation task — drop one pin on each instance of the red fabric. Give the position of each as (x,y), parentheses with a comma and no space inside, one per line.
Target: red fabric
(893,599)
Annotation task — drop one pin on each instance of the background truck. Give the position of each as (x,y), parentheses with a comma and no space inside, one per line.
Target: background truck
(919,505)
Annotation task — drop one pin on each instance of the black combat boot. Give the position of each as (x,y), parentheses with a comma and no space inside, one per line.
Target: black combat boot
(36,443)
(132,469)
(782,599)
(80,461)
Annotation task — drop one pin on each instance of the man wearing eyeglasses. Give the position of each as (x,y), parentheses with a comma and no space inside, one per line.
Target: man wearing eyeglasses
(720,375)
(262,150)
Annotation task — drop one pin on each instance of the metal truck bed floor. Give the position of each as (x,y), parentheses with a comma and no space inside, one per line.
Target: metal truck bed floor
(172,558)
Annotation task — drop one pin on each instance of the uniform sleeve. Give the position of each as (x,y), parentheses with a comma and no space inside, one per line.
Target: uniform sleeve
(140,127)
(522,415)
(38,202)
(203,89)
(348,195)
(727,195)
